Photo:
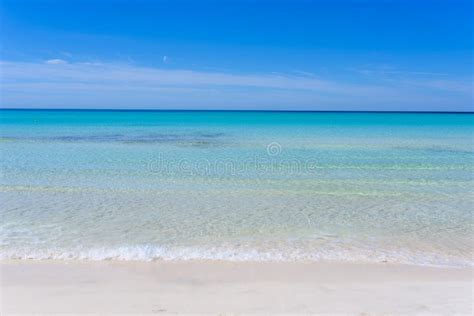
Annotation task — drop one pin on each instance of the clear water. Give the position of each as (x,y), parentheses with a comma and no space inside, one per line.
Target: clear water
(131,185)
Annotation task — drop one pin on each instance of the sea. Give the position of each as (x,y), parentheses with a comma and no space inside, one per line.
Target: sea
(237,186)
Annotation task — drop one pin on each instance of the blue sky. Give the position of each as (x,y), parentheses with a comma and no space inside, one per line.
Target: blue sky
(279,55)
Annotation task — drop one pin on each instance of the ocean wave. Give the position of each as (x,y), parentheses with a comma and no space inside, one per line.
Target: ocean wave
(238,254)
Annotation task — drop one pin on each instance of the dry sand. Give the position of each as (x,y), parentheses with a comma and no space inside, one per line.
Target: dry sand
(239,288)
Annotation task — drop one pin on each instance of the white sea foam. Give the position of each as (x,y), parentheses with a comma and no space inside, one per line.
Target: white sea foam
(237,254)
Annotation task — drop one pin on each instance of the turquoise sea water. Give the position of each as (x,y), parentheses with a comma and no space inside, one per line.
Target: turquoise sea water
(146,185)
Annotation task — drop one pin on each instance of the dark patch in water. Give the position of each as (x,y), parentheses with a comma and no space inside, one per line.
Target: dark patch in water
(198,139)
(210,135)
(436,149)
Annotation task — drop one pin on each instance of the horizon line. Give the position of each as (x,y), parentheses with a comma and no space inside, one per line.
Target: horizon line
(232,110)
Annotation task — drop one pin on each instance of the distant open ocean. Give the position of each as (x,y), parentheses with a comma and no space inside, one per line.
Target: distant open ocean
(239,186)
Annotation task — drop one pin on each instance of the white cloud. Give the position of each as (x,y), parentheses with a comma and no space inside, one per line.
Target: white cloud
(447,85)
(55,62)
(62,84)
(113,74)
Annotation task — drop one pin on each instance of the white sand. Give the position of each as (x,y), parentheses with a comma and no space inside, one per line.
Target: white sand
(223,287)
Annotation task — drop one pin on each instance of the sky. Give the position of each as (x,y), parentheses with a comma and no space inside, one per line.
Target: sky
(370,55)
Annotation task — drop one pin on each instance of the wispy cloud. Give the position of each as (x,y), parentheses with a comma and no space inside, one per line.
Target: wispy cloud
(55,62)
(92,73)
(399,72)
(57,82)
(444,85)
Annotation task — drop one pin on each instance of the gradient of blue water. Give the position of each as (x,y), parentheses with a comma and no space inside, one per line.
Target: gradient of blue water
(142,185)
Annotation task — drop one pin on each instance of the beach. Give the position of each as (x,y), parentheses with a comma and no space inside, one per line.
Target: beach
(47,287)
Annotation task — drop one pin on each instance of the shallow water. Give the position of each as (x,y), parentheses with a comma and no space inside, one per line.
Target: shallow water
(133,185)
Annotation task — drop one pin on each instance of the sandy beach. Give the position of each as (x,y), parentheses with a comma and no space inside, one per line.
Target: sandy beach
(47,287)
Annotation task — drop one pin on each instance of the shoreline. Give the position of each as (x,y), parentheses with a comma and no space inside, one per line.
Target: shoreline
(211,261)
(176,287)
